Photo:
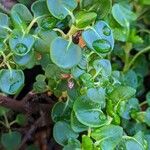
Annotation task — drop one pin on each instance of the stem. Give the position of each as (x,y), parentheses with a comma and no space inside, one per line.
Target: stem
(143,103)
(89,132)
(127,50)
(32,23)
(3,124)
(72,31)
(13,122)
(7,122)
(61,32)
(136,56)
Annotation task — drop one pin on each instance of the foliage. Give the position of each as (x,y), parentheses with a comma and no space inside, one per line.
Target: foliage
(92,53)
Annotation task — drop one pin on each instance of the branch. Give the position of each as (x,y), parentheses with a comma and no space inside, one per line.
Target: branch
(29,104)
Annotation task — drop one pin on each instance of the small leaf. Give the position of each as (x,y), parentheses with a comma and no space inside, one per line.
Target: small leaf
(21,119)
(99,37)
(21,44)
(60,112)
(83,18)
(147,116)
(123,15)
(4,24)
(11,82)
(21,16)
(45,38)
(61,8)
(107,137)
(65,54)
(101,7)
(76,125)
(11,141)
(103,67)
(62,132)
(73,144)
(148,98)
(89,113)
(3,110)
(97,95)
(87,143)
(122,93)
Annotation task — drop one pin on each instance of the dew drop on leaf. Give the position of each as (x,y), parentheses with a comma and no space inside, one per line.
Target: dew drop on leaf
(106,30)
(102,46)
(21,48)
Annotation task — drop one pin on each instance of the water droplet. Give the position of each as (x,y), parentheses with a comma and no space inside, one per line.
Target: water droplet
(106,30)
(102,46)
(21,48)
(102,117)
(48,23)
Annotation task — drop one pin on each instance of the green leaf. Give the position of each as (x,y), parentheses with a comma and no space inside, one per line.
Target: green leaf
(4,25)
(123,15)
(65,54)
(44,18)
(130,79)
(62,132)
(83,18)
(3,110)
(21,16)
(21,119)
(103,67)
(61,8)
(24,60)
(89,113)
(40,85)
(147,116)
(11,141)
(137,142)
(145,2)
(101,7)
(53,71)
(76,125)
(39,8)
(107,137)
(21,44)
(11,82)
(99,37)
(122,93)
(148,98)
(97,95)
(73,144)
(77,72)
(87,143)
(60,112)
(45,38)
(126,108)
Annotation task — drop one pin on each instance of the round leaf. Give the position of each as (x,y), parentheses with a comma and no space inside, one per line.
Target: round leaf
(61,8)
(11,82)
(99,37)
(89,113)
(11,141)
(123,15)
(21,44)
(62,132)
(65,54)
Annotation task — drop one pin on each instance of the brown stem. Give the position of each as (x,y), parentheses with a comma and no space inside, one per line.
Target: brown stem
(25,106)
